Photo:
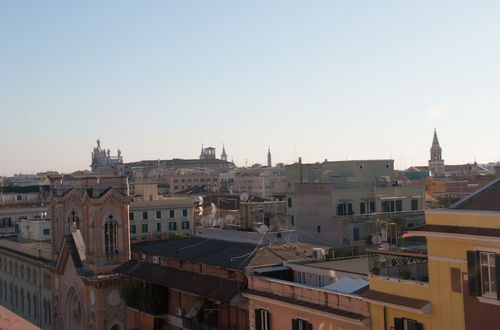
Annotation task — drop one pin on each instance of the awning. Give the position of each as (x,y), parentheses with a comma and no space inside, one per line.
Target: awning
(347,285)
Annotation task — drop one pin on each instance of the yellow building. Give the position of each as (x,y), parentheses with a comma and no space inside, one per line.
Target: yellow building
(454,285)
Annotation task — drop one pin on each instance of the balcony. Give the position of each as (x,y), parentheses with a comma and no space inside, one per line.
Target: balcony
(402,265)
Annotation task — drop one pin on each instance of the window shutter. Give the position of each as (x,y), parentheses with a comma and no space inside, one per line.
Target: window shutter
(362,208)
(268,322)
(473,273)
(258,320)
(399,324)
(295,324)
(497,275)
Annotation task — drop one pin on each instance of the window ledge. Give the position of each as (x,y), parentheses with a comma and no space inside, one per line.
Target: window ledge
(491,301)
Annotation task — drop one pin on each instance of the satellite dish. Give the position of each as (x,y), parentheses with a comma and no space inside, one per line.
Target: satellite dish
(213,208)
(200,200)
(263,229)
(244,196)
(376,239)
(200,210)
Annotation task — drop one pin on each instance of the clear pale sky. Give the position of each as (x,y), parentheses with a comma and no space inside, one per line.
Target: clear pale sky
(317,79)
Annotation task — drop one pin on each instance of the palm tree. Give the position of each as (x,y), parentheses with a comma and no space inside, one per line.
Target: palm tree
(390,228)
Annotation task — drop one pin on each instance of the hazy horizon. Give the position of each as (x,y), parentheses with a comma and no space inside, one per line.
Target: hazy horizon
(322,80)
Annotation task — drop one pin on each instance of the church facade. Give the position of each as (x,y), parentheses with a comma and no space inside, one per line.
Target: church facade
(91,237)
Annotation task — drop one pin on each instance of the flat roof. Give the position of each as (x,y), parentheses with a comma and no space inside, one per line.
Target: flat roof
(349,265)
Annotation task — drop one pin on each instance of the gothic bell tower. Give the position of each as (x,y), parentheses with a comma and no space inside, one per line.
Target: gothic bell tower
(436,163)
(90,235)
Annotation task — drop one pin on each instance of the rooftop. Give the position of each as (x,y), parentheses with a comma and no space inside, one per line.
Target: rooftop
(486,198)
(348,265)
(216,288)
(225,253)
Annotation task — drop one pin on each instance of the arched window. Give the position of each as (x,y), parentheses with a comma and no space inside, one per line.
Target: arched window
(110,236)
(28,295)
(73,221)
(22,299)
(35,306)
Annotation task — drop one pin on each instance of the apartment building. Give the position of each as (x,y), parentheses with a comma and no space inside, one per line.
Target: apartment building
(339,202)
(454,284)
(277,300)
(205,277)
(161,219)
(258,181)
(25,280)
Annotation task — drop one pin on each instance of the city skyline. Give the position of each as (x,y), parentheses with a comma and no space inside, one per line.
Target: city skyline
(319,81)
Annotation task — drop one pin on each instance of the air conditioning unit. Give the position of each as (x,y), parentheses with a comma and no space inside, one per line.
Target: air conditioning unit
(156,260)
(318,254)
(179,312)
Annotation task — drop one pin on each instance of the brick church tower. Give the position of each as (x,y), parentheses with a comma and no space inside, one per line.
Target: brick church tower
(436,163)
(90,234)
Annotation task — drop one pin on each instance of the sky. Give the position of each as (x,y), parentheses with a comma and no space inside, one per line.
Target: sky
(321,80)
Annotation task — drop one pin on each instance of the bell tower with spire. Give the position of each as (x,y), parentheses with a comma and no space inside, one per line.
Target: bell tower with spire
(436,163)
(223,156)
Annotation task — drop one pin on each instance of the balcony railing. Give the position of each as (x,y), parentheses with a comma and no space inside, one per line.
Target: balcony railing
(399,264)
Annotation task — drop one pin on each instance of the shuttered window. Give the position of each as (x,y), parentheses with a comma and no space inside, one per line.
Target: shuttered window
(407,324)
(262,319)
(300,324)
(483,274)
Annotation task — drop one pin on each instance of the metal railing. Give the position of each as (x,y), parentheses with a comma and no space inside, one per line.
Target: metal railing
(399,264)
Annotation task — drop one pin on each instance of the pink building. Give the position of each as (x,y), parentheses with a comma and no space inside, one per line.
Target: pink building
(279,304)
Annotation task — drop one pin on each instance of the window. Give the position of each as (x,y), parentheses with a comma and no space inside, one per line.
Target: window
(289,201)
(110,236)
(407,324)
(171,214)
(318,229)
(158,227)
(172,226)
(344,209)
(158,214)
(366,207)
(414,204)
(131,216)
(262,319)
(185,225)
(481,267)
(132,229)
(144,227)
(300,277)
(392,206)
(184,213)
(355,234)
(292,220)
(300,324)
(46,231)
(145,215)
